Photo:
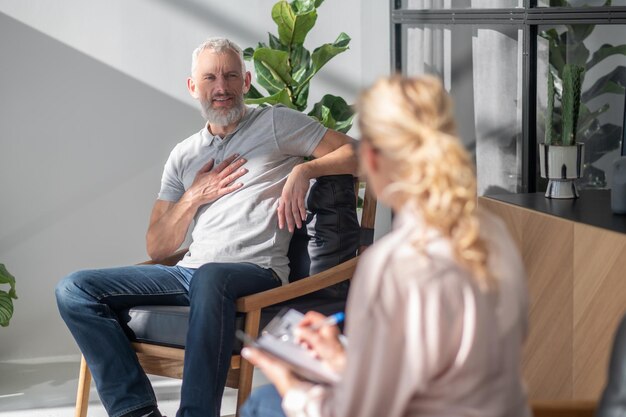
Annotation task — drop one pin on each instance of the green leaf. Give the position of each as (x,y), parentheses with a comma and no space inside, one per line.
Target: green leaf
(253,93)
(605,140)
(345,125)
(557,50)
(588,121)
(6,298)
(300,62)
(342,40)
(7,278)
(579,32)
(605,51)
(268,79)
(292,27)
(318,111)
(275,43)
(327,118)
(333,112)
(247,53)
(577,54)
(326,52)
(301,99)
(613,82)
(282,97)
(6,308)
(304,6)
(318,3)
(277,62)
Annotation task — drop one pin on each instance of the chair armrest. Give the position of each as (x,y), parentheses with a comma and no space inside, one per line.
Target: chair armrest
(334,275)
(170,260)
(563,408)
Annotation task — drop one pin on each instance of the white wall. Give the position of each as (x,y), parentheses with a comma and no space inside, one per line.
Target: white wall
(92,99)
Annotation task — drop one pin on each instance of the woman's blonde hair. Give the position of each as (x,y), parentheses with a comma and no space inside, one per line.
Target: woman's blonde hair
(410,122)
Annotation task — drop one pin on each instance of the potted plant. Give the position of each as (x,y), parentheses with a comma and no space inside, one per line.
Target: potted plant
(284,67)
(570,44)
(560,156)
(6,298)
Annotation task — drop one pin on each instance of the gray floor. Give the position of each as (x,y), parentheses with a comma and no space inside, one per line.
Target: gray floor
(48,389)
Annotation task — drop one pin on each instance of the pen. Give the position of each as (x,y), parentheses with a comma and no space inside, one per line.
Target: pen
(329,321)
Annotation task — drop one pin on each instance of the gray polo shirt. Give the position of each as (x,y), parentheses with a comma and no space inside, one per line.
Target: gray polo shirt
(243,226)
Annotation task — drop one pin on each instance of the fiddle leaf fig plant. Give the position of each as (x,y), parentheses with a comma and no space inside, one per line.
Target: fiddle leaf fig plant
(6,298)
(285,68)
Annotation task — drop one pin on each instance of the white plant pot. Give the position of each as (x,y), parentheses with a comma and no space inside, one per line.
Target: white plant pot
(561,165)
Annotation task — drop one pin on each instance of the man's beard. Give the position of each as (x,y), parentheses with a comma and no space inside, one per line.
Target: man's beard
(222,116)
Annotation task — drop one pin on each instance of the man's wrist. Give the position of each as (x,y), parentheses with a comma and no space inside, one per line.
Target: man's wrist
(305,170)
(189,201)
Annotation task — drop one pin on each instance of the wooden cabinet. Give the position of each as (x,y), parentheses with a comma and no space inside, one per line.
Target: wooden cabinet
(577,284)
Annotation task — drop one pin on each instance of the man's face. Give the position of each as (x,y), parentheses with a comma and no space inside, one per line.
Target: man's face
(219,84)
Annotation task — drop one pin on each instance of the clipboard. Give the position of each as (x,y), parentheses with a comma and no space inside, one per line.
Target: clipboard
(280,345)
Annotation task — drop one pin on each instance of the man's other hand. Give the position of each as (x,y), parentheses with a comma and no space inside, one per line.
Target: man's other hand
(211,182)
(291,208)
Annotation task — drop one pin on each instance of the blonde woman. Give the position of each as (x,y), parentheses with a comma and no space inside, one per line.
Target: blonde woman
(437,312)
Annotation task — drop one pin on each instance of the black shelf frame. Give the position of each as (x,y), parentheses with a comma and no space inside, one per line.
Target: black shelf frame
(528,17)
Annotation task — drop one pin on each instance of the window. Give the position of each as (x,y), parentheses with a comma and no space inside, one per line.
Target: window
(494,56)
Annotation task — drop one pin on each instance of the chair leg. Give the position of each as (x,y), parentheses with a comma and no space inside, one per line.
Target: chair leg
(82,396)
(245,383)
(246,370)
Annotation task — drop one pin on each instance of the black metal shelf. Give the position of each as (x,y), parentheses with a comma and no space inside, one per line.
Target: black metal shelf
(517,16)
(528,18)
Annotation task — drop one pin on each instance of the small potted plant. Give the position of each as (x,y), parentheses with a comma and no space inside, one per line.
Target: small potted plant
(560,156)
(6,298)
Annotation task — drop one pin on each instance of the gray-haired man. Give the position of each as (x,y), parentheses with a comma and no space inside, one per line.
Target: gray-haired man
(242,181)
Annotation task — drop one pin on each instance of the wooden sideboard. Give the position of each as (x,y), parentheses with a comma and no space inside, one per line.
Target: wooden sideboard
(574,252)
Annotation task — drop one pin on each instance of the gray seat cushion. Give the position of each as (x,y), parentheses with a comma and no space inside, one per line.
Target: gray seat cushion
(331,237)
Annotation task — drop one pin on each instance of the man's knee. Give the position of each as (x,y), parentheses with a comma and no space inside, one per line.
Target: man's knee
(71,287)
(210,278)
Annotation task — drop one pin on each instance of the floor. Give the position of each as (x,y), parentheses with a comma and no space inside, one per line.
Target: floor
(48,389)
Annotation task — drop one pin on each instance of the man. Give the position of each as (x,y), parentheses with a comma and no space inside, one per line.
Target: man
(242,182)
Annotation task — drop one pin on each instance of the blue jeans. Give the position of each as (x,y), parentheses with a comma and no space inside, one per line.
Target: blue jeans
(264,401)
(88,302)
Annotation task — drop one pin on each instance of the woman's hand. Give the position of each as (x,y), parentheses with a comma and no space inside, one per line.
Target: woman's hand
(323,342)
(275,370)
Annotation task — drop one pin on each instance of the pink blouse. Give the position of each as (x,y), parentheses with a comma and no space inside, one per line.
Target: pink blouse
(424,339)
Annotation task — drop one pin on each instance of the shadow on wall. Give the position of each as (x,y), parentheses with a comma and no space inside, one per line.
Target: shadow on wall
(80,127)
(82,148)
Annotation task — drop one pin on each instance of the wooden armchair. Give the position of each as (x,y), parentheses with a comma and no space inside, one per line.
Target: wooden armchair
(254,310)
